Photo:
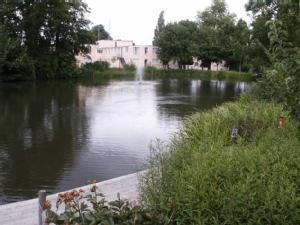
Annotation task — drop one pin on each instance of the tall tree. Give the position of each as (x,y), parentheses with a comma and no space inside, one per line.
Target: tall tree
(159,27)
(216,25)
(100,33)
(51,32)
(240,40)
(177,42)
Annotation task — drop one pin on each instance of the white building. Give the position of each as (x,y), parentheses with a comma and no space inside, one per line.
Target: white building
(118,53)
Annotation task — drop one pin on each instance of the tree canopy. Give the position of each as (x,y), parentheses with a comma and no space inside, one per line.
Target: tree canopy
(216,36)
(49,32)
(99,33)
(177,42)
(216,27)
(159,27)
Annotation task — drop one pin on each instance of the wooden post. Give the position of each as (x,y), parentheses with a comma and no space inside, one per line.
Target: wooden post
(42,200)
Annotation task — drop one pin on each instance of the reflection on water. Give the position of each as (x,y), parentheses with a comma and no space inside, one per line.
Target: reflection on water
(58,135)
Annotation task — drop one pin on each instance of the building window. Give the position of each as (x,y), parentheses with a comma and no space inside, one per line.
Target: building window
(146,51)
(136,50)
(99,51)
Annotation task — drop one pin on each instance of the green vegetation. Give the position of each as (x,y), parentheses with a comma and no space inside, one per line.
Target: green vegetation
(160,26)
(205,177)
(44,38)
(90,208)
(281,82)
(114,73)
(215,37)
(99,33)
(151,73)
(100,69)
(176,42)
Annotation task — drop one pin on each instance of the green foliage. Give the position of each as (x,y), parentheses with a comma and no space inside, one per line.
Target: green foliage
(240,42)
(130,67)
(99,33)
(177,42)
(288,12)
(258,58)
(98,65)
(203,177)
(49,34)
(152,72)
(115,73)
(281,83)
(14,62)
(91,209)
(159,27)
(89,69)
(216,28)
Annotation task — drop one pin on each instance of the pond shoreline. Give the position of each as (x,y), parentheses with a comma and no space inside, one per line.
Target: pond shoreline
(151,73)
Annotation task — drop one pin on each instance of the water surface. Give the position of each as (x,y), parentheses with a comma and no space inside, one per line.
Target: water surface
(58,135)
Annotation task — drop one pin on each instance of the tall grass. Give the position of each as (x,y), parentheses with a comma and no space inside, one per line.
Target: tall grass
(204,177)
(114,72)
(152,73)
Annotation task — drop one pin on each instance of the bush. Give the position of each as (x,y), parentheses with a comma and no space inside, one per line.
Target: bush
(97,66)
(281,82)
(90,69)
(129,67)
(204,177)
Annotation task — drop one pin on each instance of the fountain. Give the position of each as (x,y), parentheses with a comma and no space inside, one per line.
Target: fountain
(140,66)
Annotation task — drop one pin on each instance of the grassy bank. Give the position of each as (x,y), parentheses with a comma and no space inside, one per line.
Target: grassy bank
(204,177)
(114,72)
(152,73)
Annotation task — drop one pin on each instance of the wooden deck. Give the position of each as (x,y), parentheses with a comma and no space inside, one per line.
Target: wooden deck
(26,212)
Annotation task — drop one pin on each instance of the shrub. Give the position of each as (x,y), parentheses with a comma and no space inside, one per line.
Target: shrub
(129,67)
(204,177)
(97,66)
(90,69)
(281,82)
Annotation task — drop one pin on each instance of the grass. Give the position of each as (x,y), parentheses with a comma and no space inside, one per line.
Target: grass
(203,177)
(114,72)
(152,73)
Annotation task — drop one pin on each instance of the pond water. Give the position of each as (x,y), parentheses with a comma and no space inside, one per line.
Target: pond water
(58,135)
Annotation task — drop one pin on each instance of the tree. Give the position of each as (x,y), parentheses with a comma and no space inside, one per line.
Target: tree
(240,40)
(100,33)
(159,27)
(50,32)
(14,62)
(177,42)
(287,12)
(216,25)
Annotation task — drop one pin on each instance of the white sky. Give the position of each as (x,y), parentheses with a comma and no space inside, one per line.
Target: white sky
(136,19)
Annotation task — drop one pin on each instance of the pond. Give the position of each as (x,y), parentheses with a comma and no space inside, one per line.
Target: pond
(58,135)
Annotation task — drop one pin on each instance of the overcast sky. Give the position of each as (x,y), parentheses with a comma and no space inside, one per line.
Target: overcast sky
(136,19)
